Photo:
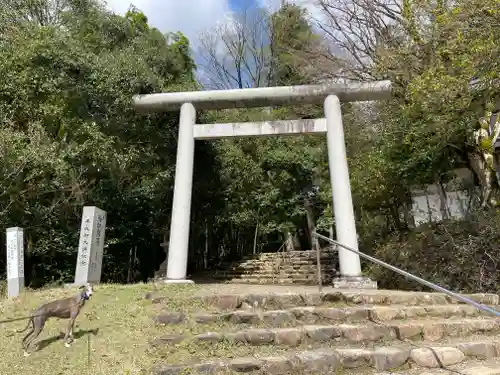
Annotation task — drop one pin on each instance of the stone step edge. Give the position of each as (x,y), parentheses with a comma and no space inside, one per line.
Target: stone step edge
(275,275)
(275,281)
(332,314)
(292,253)
(310,258)
(271,273)
(291,279)
(293,264)
(433,330)
(273,265)
(232,301)
(295,275)
(459,369)
(287,267)
(381,359)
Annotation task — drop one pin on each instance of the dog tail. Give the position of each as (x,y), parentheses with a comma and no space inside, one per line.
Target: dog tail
(27,325)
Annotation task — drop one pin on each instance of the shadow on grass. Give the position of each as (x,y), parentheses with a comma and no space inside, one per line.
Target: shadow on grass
(78,334)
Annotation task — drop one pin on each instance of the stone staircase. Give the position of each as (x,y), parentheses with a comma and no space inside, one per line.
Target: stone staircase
(332,332)
(292,267)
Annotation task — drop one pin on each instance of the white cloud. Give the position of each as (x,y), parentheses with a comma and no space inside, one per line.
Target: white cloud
(191,17)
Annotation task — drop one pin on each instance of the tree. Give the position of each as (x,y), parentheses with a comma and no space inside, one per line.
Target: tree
(291,46)
(235,53)
(421,134)
(258,48)
(72,138)
(268,180)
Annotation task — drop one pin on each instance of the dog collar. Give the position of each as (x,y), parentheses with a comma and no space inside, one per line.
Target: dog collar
(84,296)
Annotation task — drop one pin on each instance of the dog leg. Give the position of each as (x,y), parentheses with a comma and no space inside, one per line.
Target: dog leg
(39,324)
(25,347)
(67,337)
(69,333)
(26,340)
(72,329)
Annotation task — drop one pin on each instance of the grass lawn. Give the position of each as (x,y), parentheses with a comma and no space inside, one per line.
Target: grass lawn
(120,315)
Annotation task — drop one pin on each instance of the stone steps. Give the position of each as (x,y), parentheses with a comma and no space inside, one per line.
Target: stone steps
(272,272)
(296,267)
(338,360)
(290,272)
(469,367)
(259,267)
(365,332)
(290,280)
(415,330)
(304,260)
(316,315)
(276,301)
(289,264)
(295,254)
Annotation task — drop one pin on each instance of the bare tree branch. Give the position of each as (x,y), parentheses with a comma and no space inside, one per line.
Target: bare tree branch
(235,53)
(249,51)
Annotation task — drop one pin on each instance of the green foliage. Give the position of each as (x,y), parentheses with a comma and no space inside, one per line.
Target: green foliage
(486,145)
(138,20)
(422,133)
(291,39)
(71,138)
(459,255)
(425,135)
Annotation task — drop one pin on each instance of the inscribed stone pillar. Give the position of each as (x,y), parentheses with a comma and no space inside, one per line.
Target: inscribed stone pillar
(15,261)
(91,246)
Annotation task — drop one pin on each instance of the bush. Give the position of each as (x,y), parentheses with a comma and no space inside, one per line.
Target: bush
(462,256)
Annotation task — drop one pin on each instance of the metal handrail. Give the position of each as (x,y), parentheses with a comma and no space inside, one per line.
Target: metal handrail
(412,277)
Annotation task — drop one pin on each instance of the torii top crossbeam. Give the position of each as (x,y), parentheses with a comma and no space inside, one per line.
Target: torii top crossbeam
(265,96)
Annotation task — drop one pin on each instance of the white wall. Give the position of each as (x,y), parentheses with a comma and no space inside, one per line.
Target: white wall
(427,201)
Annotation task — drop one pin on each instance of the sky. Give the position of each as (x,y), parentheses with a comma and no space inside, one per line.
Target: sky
(191,17)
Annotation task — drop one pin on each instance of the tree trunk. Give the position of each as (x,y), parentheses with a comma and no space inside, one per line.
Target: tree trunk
(205,254)
(483,173)
(395,215)
(311,226)
(131,263)
(256,232)
(429,212)
(445,212)
(409,219)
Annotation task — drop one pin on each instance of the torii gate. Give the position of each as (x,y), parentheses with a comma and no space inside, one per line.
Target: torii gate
(331,94)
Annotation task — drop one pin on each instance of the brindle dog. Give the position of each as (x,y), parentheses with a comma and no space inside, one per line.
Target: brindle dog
(67,308)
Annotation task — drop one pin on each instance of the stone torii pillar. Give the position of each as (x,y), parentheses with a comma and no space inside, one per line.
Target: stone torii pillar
(331,94)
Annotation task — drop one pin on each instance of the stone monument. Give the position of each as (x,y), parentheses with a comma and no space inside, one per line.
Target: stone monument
(91,246)
(15,261)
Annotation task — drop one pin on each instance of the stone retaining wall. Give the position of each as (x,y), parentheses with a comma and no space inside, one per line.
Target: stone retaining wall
(293,267)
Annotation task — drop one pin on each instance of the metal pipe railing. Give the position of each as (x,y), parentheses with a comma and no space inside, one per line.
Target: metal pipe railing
(412,277)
